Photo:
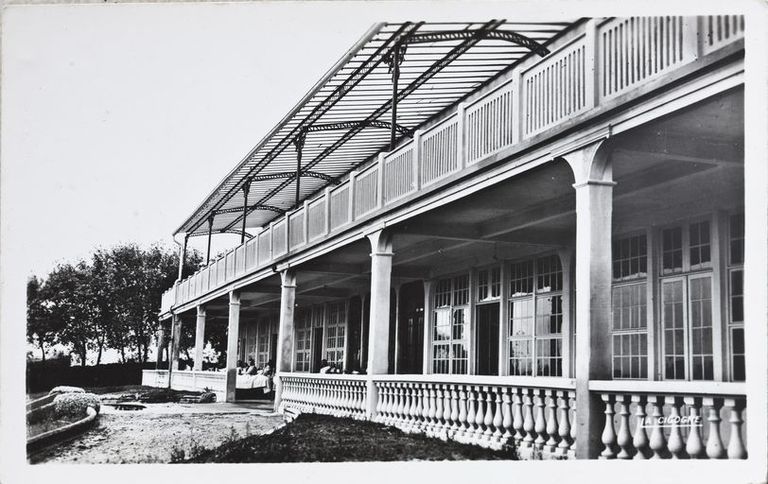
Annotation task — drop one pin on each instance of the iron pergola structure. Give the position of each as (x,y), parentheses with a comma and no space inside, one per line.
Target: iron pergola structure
(396,79)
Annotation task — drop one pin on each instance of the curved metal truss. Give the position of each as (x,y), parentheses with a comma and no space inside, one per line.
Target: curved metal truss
(409,73)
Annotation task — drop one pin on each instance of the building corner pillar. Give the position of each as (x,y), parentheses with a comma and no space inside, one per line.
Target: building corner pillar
(594,212)
(199,338)
(233,334)
(285,331)
(378,333)
(173,360)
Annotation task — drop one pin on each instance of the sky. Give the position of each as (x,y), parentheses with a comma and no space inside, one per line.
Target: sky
(119,119)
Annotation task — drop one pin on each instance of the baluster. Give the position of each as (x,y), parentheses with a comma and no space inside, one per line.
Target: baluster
(488,420)
(540,426)
(419,405)
(438,411)
(470,431)
(736,448)
(363,400)
(380,391)
(387,405)
(405,421)
(447,401)
(574,427)
(715,448)
(609,433)
(528,425)
(455,427)
(624,438)
(477,437)
(506,415)
(498,419)
(395,399)
(461,432)
(430,430)
(694,447)
(640,439)
(411,402)
(344,398)
(399,420)
(552,427)
(658,442)
(424,409)
(564,429)
(517,416)
(675,442)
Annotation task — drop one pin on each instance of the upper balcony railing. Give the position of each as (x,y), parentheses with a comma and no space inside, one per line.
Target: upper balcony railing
(598,62)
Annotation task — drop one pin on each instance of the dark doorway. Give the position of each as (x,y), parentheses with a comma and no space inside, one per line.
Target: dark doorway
(488,339)
(410,333)
(354,349)
(317,348)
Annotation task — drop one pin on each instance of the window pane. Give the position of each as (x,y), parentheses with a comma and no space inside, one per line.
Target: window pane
(672,325)
(672,250)
(699,245)
(521,279)
(701,327)
(630,257)
(736,229)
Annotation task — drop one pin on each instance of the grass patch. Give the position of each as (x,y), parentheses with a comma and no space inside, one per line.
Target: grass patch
(320,438)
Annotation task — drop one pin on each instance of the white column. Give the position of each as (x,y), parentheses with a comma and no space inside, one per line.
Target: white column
(378,330)
(594,209)
(566,256)
(160,348)
(427,335)
(173,357)
(199,338)
(175,339)
(285,330)
(233,334)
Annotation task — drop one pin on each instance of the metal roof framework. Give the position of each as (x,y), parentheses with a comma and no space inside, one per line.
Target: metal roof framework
(346,119)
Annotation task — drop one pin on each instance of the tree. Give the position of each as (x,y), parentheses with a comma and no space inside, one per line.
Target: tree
(42,328)
(109,301)
(71,304)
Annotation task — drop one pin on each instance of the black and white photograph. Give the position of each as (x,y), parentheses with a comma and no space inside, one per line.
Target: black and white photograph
(352,241)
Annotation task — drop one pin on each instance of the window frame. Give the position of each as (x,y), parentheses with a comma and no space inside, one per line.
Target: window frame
(686,274)
(534,298)
(453,296)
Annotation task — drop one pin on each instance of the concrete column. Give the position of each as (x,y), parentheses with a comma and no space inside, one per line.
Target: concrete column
(378,331)
(199,338)
(175,339)
(427,333)
(233,334)
(160,348)
(594,209)
(285,331)
(173,357)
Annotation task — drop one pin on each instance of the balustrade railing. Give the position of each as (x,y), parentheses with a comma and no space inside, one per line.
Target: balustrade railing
(600,62)
(537,418)
(678,420)
(337,395)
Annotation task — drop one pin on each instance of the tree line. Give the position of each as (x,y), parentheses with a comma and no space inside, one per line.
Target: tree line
(110,300)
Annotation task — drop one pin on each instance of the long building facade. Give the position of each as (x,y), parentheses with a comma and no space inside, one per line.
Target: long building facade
(553,257)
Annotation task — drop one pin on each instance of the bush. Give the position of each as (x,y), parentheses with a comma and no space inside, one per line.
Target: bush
(208,397)
(65,389)
(75,404)
(44,375)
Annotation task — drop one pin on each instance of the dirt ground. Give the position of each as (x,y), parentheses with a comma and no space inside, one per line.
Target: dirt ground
(319,438)
(157,436)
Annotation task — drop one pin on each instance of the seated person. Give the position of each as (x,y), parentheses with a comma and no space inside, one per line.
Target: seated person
(267,370)
(251,370)
(325,367)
